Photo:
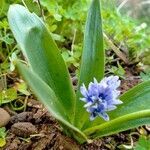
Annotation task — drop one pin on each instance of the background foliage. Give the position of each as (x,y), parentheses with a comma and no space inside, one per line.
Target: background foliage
(66,22)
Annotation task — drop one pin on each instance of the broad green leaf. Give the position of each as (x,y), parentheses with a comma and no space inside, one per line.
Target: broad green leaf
(42,54)
(134,100)
(119,124)
(47,96)
(41,89)
(92,64)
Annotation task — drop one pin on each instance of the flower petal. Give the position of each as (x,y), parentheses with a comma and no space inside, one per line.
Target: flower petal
(116,102)
(93,116)
(83,90)
(104,116)
(111,107)
(83,99)
(88,104)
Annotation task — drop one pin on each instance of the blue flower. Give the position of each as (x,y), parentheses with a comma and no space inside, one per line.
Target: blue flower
(101,97)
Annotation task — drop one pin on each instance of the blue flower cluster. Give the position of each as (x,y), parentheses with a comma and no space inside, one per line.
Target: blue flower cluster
(101,97)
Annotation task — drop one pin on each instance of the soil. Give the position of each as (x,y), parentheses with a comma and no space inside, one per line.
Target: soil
(36,129)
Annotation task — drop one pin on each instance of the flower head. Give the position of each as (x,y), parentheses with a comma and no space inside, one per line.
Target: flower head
(101,97)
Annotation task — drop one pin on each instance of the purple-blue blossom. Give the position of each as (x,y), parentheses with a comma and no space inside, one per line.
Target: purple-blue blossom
(101,97)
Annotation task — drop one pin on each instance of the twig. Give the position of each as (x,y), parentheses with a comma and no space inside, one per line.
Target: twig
(73,41)
(121,5)
(116,49)
(25,103)
(40,8)
(24,4)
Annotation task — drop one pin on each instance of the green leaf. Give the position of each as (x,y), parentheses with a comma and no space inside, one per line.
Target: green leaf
(2,142)
(134,111)
(47,96)
(119,124)
(53,7)
(92,64)
(8,95)
(134,100)
(2,6)
(143,144)
(2,132)
(22,87)
(42,54)
(32,6)
(145,76)
(2,137)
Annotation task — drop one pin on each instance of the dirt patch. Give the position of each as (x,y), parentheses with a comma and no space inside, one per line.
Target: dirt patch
(36,129)
(23,129)
(131,79)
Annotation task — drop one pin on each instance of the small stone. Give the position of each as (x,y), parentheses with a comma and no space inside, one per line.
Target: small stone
(21,117)
(23,129)
(4,117)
